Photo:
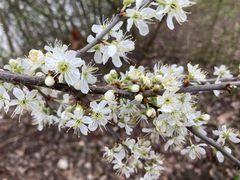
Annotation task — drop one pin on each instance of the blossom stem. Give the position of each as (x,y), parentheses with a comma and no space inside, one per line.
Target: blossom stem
(211,142)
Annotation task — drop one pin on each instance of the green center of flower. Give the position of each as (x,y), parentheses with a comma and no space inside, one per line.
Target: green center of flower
(226,135)
(46,111)
(168,101)
(63,67)
(97,47)
(78,121)
(18,69)
(23,102)
(98,115)
(136,15)
(173,6)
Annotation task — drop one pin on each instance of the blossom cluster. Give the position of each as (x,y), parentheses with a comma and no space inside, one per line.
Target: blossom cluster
(57,64)
(116,44)
(225,134)
(132,155)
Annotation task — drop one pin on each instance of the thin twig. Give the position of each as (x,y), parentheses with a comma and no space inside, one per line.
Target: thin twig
(213,80)
(111,25)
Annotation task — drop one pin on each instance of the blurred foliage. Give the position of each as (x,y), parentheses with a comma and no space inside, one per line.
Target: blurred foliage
(211,36)
(31,24)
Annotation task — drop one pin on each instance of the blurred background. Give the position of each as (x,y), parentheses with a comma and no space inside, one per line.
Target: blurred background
(211,37)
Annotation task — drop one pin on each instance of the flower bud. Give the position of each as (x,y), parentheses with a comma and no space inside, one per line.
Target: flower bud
(109,95)
(49,81)
(114,73)
(12,62)
(206,117)
(151,113)
(147,82)
(139,97)
(135,88)
(107,78)
(40,74)
(133,76)
(79,108)
(35,55)
(156,88)
(158,78)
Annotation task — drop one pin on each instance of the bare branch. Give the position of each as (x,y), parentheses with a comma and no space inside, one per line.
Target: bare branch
(214,144)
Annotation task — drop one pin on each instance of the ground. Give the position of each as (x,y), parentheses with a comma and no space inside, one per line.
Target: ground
(26,153)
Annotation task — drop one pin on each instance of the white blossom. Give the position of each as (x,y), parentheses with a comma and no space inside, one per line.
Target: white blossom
(78,122)
(117,49)
(173,9)
(25,100)
(100,115)
(194,151)
(225,133)
(220,156)
(195,74)
(222,72)
(64,63)
(140,16)
(167,102)
(87,77)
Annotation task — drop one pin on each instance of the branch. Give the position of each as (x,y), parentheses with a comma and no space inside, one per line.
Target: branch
(213,80)
(214,144)
(39,81)
(114,21)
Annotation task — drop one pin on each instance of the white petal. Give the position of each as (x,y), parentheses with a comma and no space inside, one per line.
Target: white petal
(98,57)
(143,27)
(87,120)
(93,126)
(84,87)
(70,123)
(112,49)
(84,129)
(138,3)
(170,22)
(220,156)
(70,54)
(234,139)
(97,28)
(18,93)
(117,61)
(129,24)
(192,154)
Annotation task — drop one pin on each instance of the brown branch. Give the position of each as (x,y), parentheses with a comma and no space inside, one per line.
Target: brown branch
(39,81)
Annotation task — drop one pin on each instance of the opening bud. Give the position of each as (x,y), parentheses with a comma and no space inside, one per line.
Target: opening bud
(109,95)
(135,88)
(49,81)
(139,97)
(151,113)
